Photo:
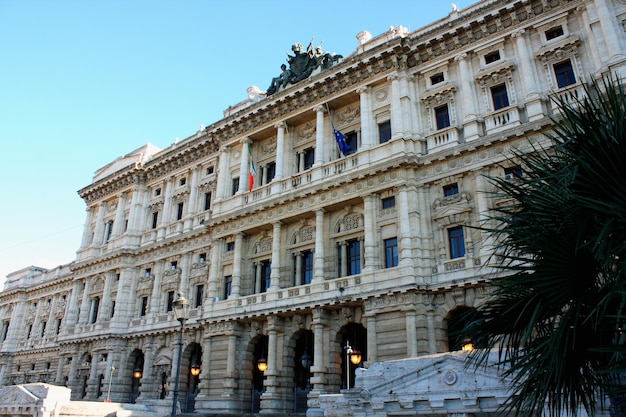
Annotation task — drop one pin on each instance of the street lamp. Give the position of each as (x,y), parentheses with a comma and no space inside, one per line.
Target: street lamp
(181,308)
(354,356)
(108,400)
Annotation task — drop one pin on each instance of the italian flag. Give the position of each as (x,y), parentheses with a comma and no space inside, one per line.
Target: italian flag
(252,170)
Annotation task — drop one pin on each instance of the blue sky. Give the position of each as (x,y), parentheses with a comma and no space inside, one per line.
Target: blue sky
(84,82)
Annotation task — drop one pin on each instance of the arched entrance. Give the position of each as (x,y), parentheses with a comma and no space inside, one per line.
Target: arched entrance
(353,339)
(258,367)
(303,358)
(190,370)
(459,332)
(133,373)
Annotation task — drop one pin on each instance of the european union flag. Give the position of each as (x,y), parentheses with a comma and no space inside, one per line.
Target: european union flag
(344,148)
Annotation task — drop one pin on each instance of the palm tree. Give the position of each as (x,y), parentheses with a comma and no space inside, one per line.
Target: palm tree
(556,315)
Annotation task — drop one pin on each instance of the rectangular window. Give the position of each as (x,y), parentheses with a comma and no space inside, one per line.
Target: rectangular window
(457,242)
(199,295)
(450,189)
(384,132)
(437,78)
(209,170)
(352,141)
(202,258)
(500,97)
(182,181)
(228,286)
(95,305)
(306,268)
(230,246)
(207,200)
(354,257)
(5,331)
(112,308)
(270,172)
(389,202)
(391,252)
(170,301)
(57,328)
(235,186)
(144,306)
(148,272)
(564,74)
(492,57)
(266,272)
(155,219)
(442,117)
(511,173)
(157,192)
(179,211)
(309,158)
(173,265)
(29,329)
(109,231)
(554,33)
(43,328)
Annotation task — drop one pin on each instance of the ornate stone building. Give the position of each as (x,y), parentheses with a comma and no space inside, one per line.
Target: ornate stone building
(287,249)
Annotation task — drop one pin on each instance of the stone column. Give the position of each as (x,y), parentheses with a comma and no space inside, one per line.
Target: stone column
(372,338)
(257,277)
(320,358)
(83,318)
(298,259)
(71,380)
(344,258)
(236,285)
(272,373)
(98,235)
(370,209)
(192,205)
(230,380)
(167,207)
(468,98)
(92,383)
(396,107)
(58,379)
(244,167)
(72,316)
(482,207)
(184,274)
(532,99)
(411,333)
(405,254)
(280,150)
(610,31)
(405,106)
(223,174)
(318,257)
(155,297)
(88,233)
(319,135)
(118,223)
(138,212)
(105,309)
(214,272)
(430,321)
(368,134)
(276,248)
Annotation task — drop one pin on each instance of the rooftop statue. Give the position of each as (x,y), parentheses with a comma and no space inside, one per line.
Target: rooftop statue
(301,65)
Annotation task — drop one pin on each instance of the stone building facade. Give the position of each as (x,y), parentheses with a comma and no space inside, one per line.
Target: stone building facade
(288,250)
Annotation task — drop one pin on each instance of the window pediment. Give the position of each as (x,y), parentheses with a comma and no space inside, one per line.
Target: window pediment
(558,48)
(495,72)
(440,93)
(454,209)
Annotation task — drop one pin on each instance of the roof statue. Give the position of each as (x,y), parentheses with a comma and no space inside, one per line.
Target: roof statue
(301,65)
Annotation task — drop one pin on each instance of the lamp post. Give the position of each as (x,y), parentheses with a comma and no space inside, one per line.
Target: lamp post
(108,400)
(354,356)
(181,311)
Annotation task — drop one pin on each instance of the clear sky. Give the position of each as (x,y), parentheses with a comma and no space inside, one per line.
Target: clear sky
(83,82)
